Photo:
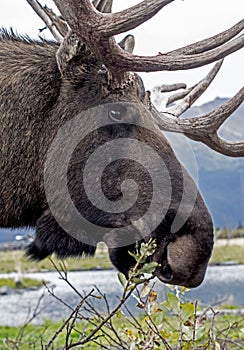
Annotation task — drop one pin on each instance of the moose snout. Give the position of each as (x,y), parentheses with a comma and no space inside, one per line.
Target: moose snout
(181,262)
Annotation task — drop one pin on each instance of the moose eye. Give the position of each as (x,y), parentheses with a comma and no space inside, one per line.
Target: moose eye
(117,113)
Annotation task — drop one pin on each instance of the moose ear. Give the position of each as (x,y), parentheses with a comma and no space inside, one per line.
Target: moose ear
(128,43)
(71,47)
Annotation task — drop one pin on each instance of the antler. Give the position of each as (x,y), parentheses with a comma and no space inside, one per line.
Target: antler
(96,30)
(203,128)
(190,95)
(57,26)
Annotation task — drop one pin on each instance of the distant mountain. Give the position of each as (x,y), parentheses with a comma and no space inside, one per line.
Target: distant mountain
(221,178)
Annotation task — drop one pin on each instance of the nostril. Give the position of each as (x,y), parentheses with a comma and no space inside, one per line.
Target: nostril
(164,272)
(164,277)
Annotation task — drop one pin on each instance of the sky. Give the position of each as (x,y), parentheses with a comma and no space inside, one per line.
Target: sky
(179,23)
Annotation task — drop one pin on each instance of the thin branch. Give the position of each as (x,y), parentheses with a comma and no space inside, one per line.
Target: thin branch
(37,310)
(155,330)
(75,311)
(105,320)
(194,324)
(57,298)
(110,325)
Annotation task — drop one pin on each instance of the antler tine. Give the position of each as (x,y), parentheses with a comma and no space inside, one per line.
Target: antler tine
(106,26)
(170,87)
(162,103)
(220,114)
(205,128)
(48,19)
(57,26)
(195,92)
(210,43)
(104,6)
(132,17)
(96,30)
(127,62)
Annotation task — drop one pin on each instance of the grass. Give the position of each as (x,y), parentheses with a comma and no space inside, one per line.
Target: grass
(23,283)
(11,261)
(228,253)
(33,336)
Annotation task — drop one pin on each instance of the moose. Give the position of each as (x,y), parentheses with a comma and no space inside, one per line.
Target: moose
(45,85)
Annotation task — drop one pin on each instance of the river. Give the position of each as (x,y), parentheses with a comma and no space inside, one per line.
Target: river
(221,284)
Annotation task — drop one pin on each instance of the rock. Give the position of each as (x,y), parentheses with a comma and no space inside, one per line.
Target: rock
(5,290)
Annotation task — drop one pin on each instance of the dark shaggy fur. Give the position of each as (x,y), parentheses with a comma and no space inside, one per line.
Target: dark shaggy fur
(35,101)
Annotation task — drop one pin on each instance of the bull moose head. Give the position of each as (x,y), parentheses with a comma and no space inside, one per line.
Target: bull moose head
(84,158)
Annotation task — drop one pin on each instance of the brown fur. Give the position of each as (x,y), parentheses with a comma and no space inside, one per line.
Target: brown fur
(34,102)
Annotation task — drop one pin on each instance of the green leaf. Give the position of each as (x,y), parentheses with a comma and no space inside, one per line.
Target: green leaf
(150,267)
(187,311)
(173,302)
(137,280)
(187,346)
(217,346)
(122,279)
(131,287)
(187,332)
(119,315)
(200,333)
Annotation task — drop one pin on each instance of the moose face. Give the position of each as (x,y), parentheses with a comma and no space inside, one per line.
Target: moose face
(86,160)
(101,171)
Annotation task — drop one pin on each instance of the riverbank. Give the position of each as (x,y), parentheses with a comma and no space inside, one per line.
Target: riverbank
(229,242)
(222,285)
(16,261)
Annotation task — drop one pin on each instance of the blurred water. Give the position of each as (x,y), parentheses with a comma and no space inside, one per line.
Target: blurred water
(222,283)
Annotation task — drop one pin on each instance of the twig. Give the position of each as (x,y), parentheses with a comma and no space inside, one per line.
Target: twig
(89,337)
(156,330)
(57,298)
(211,331)
(194,325)
(75,311)
(70,327)
(35,313)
